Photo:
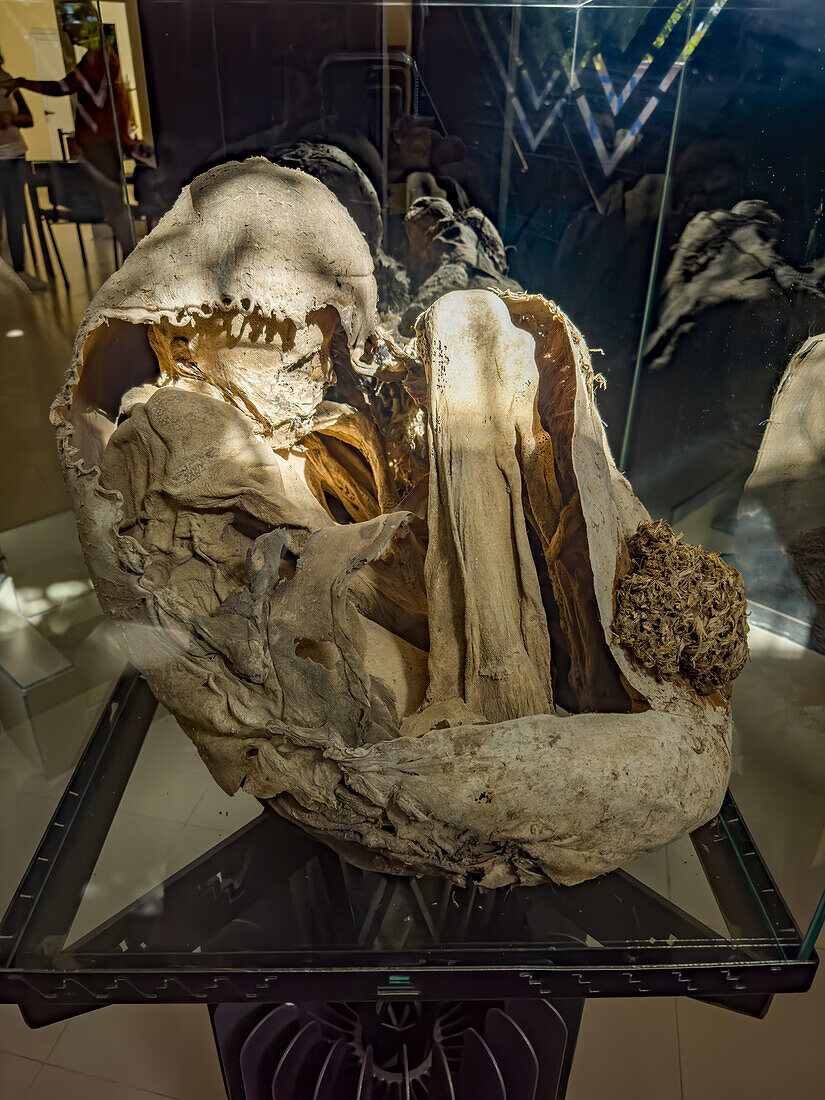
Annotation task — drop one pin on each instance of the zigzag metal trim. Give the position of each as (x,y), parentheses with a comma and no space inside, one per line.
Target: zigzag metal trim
(537,99)
(609,161)
(616,102)
(533,140)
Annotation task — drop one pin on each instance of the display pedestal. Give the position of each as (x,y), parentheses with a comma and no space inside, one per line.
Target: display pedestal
(507,1050)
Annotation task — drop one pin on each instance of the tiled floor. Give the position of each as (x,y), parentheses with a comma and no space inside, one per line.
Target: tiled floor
(132,1052)
(659,1049)
(36,335)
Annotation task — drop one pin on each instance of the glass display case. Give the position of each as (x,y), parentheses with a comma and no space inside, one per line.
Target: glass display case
(655,169)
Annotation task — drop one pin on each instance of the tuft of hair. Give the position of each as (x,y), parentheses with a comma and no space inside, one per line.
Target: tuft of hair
(681,611)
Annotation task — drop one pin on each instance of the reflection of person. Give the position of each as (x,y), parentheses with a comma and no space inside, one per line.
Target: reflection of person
(14,116)
(95,133)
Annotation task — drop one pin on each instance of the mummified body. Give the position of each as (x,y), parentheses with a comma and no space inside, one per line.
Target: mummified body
(362,577)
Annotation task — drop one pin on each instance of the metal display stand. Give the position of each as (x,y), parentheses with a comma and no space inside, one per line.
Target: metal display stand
(328,981)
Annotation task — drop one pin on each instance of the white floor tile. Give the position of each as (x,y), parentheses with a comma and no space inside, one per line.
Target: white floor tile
(52,740)
(727,1056)
(163,790)
(191,843)
(161,1048)
(16,1074)
(169,745)
(779,776)
(16,1037)
(30,545)
(688,886)
(217,810)
(75,616)
(650,868)
(627,1050)
(17,774)
(133,861)
(23,819)
(96,654)
(53,1083)
(160,787)
(27,658)
(50,584)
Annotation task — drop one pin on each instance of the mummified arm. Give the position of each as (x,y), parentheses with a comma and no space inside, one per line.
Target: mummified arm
(490,647)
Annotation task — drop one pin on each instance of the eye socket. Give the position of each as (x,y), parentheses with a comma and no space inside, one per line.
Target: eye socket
(287,565)
(322,653)
(249,525)
(251,752)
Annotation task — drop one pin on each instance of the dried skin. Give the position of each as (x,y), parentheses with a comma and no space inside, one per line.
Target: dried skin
(587,675)
(592,676)
(451,250)
(346,459)
(490,648)
(404,427)
(194,478)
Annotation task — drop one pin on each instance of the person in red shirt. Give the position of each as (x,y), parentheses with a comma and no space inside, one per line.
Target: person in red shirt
(101,132)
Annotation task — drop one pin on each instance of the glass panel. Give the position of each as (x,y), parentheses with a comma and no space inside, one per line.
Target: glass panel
(173,826)
(172,812)
(58,664)
(66,118)
(596,138)
(571,163)
(726,442)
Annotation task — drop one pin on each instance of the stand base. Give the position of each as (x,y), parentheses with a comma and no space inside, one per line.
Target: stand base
(394,1050)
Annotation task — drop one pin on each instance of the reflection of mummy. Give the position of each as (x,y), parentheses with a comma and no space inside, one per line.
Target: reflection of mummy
(723,256)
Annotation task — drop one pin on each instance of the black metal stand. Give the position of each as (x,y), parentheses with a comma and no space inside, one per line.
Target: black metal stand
(506,1050)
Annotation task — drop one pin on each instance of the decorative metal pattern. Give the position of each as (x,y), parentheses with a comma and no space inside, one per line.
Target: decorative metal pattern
(531,99)
(393,1050)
